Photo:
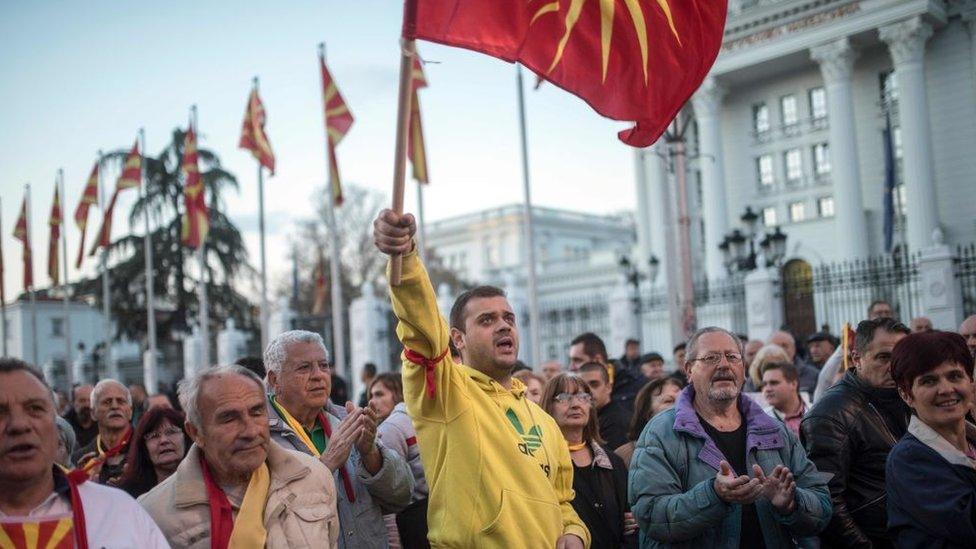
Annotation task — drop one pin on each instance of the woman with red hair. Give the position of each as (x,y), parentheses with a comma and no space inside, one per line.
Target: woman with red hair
(931,472)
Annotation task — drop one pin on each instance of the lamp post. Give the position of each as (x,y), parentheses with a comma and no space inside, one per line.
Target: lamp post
(753,249)
(633,276)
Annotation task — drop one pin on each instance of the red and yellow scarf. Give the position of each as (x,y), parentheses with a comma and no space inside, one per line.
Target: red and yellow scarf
(248,531)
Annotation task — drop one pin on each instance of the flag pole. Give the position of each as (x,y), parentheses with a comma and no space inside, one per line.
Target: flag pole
(32,293)
(338,322)
(150,375)
(202,288)
(528,226)
(407,52)
(109,360)
(264,259)
(66,288)
(3,300)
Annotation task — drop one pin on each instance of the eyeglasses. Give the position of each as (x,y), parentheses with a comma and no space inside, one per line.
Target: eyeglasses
(169,432)
(713,359)
(582,398)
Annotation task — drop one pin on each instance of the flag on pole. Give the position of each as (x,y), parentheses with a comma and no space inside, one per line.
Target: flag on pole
(321,296)
(88,197)
(416,149)
(196,218)
(130,178)
(253,137)
(53,263)
(338,120)
(22,233)
(889,184)
(630,60)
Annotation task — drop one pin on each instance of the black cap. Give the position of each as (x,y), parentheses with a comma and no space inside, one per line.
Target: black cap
(651,356)
(820,336)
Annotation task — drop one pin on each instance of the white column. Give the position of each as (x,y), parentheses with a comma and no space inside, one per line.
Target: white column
(968,13)
(707,102)
(906,42)
(836,61)
(655,209)
(644,220)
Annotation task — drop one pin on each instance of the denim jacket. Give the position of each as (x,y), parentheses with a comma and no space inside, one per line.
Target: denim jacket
(388,491)
(672,476)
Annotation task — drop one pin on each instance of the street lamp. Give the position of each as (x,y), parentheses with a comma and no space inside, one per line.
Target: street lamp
(738,257)
(634,275)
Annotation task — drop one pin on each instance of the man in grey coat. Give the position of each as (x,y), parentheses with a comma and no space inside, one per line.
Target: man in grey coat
(371,480)
(716,471)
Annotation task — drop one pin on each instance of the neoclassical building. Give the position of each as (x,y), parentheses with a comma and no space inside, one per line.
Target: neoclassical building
(790,122)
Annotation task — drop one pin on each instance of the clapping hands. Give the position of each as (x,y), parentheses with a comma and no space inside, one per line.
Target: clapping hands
(778,487)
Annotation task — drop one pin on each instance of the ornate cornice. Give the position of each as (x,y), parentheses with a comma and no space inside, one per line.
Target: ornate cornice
(836,60)
(906,40)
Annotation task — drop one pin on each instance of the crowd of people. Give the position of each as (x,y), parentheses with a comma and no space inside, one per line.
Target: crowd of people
(738,443)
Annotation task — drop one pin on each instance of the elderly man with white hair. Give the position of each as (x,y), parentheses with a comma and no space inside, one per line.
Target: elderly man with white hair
(104,457)
(235,488)
(371,479)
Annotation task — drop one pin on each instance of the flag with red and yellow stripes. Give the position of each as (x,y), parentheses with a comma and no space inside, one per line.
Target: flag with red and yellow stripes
(338,120)
(54,533)
(130,178)
(253,137)
(416,149)
(22,233)
(196,217)
(53,259)
(88,197)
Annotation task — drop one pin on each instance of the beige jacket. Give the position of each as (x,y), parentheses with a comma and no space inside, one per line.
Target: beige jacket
(300,512)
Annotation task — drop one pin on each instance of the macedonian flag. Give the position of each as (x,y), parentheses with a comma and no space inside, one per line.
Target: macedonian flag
(54,533)
(130,178)
(22,233)
(632,60)
(53,264)
(253,137)
(196,217)
(88,197)
(416,149)
(338,120)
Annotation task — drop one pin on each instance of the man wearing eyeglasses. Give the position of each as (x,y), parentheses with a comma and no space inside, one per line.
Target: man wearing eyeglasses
(716,471)
(371,480)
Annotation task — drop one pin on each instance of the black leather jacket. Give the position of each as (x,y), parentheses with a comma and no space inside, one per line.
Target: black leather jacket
(849,433)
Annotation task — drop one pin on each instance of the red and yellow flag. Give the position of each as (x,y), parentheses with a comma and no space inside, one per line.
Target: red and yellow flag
(253,137)
(53,533)
(53,259)
(88,197)
(22,233)
(633,60)
(416,149)
(196,217)
(321,295)
(338,120)
(130,178)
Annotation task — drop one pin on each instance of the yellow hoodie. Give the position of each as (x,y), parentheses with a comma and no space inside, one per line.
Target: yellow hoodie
(498,467)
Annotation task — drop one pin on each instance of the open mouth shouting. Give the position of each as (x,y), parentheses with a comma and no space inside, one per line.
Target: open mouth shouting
(505,344)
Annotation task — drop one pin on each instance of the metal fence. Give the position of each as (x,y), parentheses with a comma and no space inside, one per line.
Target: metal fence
(966,274)
(564,319)
(836,293)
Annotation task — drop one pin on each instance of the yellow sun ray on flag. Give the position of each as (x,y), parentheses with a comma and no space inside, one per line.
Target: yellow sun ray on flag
(607,10)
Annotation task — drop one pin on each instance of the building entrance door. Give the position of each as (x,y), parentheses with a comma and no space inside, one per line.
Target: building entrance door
(798,307)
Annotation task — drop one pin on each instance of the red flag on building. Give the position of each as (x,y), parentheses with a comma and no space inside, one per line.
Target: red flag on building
(22,233)
(53,262)
(253,137)
(416,149)
(130,178)
(630,60)
(196,217)
(88,197)
(338,120)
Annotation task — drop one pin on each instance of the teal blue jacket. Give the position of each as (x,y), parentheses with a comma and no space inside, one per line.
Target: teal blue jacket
(672,474)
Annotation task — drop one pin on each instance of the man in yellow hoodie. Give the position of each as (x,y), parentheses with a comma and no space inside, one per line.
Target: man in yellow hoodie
(497,465)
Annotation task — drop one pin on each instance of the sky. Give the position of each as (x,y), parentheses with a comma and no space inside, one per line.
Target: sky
(80,77)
